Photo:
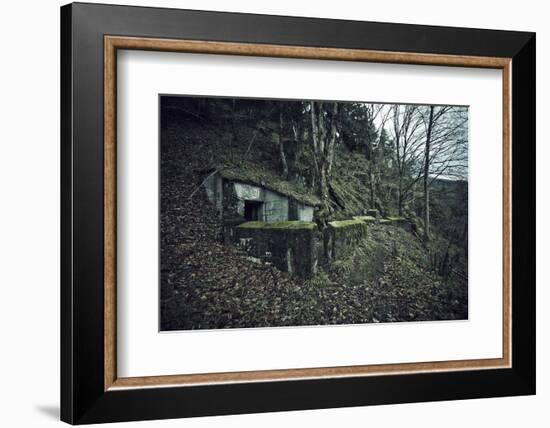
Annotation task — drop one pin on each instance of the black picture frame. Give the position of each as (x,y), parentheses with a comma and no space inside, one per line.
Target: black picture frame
(83,398)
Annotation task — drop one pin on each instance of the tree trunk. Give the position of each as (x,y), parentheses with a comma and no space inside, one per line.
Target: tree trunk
(371,188)
(233,128)
(323,129)
(371,162)
(400,196)
(281,146)
(325,196)
(426,176)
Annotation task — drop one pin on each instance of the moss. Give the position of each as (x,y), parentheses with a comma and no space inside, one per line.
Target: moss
(348,181)
(252,225)
(252,174)
(345,223)
(396,218)
(365,218)
(303,225)
(295,224)
(345,235)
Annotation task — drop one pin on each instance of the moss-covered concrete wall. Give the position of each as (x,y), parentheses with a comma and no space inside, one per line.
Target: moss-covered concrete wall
(297,246)
(342,237)
(291,246)
(365,218)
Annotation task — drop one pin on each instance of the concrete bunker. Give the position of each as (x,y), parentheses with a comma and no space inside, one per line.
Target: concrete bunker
(272,221)
(240,195)
(291,246)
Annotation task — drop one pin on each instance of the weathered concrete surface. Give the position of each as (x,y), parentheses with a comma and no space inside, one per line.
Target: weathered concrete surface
(247,191)
(275,207)
(291,246)
(213,185)
(373,213)
(342,237)
(231,205)
(299,211)
(229,198)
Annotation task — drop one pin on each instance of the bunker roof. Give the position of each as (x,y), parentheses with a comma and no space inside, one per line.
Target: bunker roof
(268,180)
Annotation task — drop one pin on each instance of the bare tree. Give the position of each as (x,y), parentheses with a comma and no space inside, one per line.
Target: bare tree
(445,150)
(427,174)
(377,115)
(406,132)
(280,141)
(324,135)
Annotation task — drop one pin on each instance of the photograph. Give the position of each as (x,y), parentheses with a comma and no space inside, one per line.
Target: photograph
(259,213)
(277,212)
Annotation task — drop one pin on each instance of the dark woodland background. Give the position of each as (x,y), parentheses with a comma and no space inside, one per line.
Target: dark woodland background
(406,161)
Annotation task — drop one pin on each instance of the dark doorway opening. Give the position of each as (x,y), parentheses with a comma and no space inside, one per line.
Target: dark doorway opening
(252,210)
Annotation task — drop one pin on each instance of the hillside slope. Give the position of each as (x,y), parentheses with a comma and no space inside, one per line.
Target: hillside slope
(206,284)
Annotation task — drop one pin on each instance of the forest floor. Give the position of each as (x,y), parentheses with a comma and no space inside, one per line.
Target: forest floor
(206,284)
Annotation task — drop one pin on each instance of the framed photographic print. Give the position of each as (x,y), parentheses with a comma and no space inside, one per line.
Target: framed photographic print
(265,213)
